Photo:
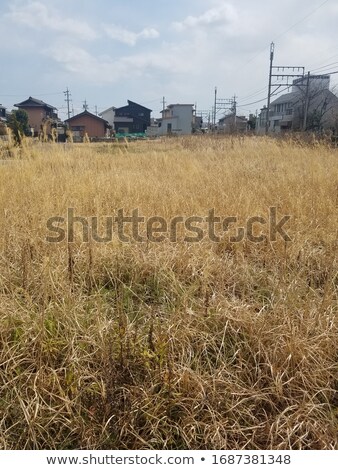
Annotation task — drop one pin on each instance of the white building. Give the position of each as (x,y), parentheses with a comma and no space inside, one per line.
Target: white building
(177,119)
(287,112)
(109,116)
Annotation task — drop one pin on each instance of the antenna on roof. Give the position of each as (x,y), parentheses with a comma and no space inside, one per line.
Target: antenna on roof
(85,105)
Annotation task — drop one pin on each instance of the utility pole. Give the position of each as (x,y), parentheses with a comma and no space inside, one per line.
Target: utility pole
(163,103)
(235,110)
(225,105)
(85,105)
(280,73)
(96,110)
(215,110)
(204,114)
(307,96)
(267,124)
(67,95)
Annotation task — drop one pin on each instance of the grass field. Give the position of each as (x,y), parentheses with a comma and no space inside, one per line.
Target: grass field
(171,344)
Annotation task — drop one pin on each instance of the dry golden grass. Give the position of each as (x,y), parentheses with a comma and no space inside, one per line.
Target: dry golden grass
(169,345)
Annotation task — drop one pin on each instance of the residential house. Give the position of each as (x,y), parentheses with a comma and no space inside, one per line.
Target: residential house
(309,106)
(109,116)
(133,118)
(177,119)
(40,114)
(88,124)
(233,124)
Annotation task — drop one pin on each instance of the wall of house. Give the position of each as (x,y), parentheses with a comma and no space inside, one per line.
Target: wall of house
(123,124)
(230,125)
(35,117)
(140,115)
(169,126)
(316,83)
(93,127)
(139,125)
(109,116)
(185,118)
(181,121)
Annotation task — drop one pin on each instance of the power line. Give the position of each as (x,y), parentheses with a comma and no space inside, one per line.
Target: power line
(284,32)
(258,92)
(325,67)
(264,99)
(329,58)
(302,19)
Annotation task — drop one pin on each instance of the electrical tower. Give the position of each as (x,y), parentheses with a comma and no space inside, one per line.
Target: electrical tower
(279,73)
(68,100)
(224,105)
(205,114)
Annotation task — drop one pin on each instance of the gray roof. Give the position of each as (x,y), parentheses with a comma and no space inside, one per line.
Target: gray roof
(86,113)
(292,97)
(231,116)
(295,96)
(32,103)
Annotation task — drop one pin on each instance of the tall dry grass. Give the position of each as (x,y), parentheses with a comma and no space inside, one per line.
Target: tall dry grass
(169,345)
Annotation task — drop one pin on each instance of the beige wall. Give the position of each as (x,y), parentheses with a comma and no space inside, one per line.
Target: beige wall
(93,127)
(35,117)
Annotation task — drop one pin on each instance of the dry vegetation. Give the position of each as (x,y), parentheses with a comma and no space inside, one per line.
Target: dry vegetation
(169,345)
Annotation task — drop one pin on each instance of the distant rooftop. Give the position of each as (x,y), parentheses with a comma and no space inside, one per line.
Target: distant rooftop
(33,103)
(87,113)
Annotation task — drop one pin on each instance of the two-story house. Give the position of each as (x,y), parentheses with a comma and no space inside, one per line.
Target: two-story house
(39,114)
(309,106)
(133,118)
(177,119)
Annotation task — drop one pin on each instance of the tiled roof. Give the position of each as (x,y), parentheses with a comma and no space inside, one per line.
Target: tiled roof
(33,102)
(87,113)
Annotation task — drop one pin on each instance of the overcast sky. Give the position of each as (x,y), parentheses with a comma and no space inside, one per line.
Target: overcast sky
(108,51)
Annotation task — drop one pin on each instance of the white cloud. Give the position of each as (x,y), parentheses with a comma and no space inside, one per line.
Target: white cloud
(222,14)
(102,69)
(203,43)
(129,37)
(37,16)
